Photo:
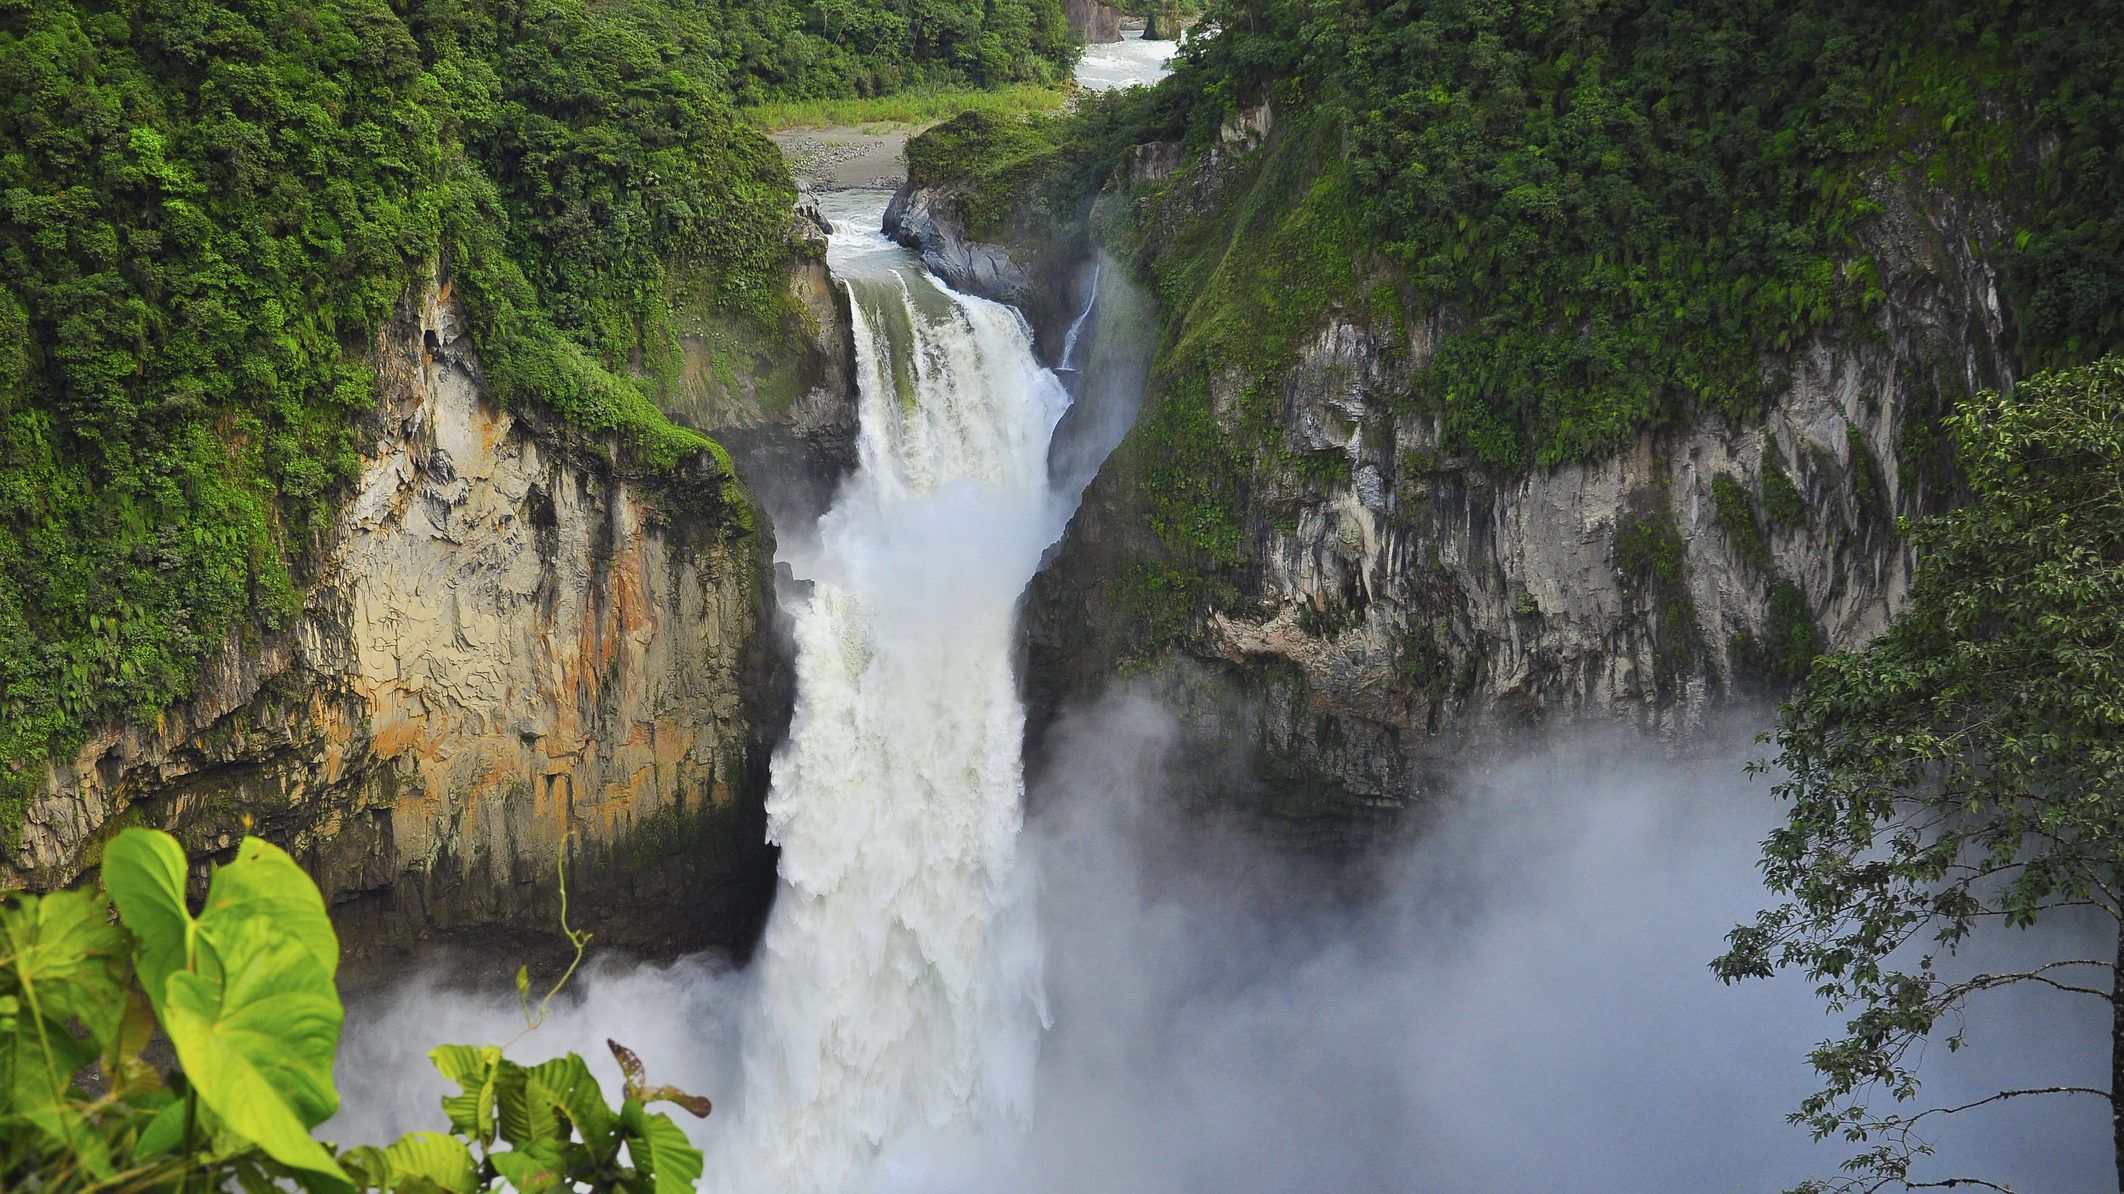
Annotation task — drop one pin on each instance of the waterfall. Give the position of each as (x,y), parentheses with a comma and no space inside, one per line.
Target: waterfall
(899,990)
(1076,326)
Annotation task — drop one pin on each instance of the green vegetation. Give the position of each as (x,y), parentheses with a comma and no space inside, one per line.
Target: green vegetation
(244,992)
(1790,643)
(1609,217)
(1734,510)
(1782,503)
(921,107)
(1624,208)
(1869,486)
(208,210)
(1621,211)
(1655,571)
(1963,773)
(769,51)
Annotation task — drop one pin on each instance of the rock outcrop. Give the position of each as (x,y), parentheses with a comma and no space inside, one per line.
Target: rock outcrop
(924,219)
(1393,610)
(1169,23)
(1047,282)
(514,652)
(1098,21)
(784,405)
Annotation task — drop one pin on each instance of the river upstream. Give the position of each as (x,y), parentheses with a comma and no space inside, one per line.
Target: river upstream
(951,997)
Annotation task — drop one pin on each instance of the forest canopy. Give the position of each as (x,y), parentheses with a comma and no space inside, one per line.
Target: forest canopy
(1623,215)
(208,207)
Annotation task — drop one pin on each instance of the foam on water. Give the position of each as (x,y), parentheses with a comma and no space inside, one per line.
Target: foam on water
(899,980)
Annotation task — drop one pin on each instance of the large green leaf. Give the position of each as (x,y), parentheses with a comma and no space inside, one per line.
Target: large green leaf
(531,1170)
(660,1150)
(565,1084)
(263,881)
(62,964)
(418,1162)
(61,955)
(144,872)
(256,1029)
(474,1069)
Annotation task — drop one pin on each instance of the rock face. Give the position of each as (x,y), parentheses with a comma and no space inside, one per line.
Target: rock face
(1047,285)
(1394,609)
(514,652)
(1169,23)
(922,218)
(1097,21)
(784,406)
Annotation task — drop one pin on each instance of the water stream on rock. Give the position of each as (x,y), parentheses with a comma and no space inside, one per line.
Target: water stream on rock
(899,988)
(1076,326)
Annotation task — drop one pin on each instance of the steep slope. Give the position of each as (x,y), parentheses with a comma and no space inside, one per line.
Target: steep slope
(1517,366)
(518,649)
(344,343)
(1370,610)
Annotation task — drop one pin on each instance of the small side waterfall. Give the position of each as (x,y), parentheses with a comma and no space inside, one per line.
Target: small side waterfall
(1076,326)
(900,987)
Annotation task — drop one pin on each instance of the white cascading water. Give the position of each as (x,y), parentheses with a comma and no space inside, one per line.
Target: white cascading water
(899,991)
(1076,326)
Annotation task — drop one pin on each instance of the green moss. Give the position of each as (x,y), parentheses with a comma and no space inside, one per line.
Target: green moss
(1790,643)
(1654,568)
(1869,486)
(1734,510)
(1423,660)
(1782,503)
(1648,551)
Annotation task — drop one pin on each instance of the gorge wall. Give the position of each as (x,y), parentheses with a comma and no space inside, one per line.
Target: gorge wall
(514,651)
(1098,21)
(1392,614)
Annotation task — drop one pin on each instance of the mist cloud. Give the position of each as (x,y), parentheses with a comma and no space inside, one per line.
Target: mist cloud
(1523,1004)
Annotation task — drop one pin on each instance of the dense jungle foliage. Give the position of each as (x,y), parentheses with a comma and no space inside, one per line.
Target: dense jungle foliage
(1598,217)
(244,993)
(815,49)
(1623,214)
(209,207)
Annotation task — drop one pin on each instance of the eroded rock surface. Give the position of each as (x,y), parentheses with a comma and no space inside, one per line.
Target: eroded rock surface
(1395,613)
(513,652)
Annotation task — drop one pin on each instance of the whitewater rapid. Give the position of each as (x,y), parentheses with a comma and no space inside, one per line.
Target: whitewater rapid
(899,994)
(1132,61)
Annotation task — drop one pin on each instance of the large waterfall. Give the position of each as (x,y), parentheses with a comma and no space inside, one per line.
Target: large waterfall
(899,995)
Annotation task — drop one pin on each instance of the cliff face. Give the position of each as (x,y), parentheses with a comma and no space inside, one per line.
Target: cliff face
(784,406)
(1391,609)
(1097,21)
(513,651)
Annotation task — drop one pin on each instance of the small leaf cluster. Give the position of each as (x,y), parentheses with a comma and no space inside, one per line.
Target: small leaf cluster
(244,991)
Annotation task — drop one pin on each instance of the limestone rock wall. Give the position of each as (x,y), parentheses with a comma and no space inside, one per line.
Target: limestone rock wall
(513,653)
(1097,21)
(1397,613)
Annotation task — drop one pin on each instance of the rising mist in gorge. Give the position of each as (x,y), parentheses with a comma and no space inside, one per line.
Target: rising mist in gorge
(1521,1001)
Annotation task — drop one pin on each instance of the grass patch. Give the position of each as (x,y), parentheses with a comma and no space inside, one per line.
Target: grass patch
(877,113)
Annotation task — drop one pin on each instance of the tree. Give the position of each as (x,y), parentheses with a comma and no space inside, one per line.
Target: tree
(1963,773)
